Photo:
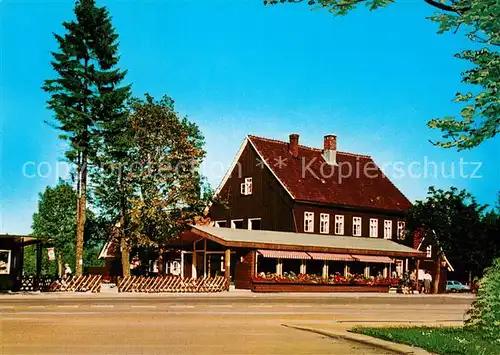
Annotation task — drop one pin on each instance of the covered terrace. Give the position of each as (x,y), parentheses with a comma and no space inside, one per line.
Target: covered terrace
(242,255)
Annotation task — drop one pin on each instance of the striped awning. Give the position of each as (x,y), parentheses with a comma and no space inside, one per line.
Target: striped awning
(283,254)
(373,259)
(331,257)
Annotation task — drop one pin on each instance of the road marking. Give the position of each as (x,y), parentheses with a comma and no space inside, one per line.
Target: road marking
(298,306)
(54,313)
(261,306)
(143,306)
(6,307)
(68,306)
(102,306)
(36,306)
(222,306)
(181,306)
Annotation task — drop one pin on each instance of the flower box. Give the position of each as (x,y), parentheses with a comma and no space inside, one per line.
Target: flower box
(271,286)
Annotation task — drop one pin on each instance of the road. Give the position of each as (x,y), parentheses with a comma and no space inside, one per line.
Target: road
(206,325)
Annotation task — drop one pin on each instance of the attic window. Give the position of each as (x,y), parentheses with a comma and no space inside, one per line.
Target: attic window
(246,187)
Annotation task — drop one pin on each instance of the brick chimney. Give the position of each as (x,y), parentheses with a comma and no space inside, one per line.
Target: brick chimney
(330,149)
(293,146)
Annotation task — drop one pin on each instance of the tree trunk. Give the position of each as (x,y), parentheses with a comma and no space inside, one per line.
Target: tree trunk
(125,257)
(80,223)
(437,277)
(59,264)
(159,263)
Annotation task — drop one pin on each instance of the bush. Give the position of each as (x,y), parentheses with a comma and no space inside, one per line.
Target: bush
(485,311)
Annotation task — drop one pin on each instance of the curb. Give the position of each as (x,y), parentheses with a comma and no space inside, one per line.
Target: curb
(366,340)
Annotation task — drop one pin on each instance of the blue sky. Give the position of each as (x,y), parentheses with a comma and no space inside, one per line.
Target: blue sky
(238,68)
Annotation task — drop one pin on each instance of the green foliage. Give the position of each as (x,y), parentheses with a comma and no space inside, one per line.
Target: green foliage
(168,152)
(443,341)
(55,219)
(480,109)
(86,92)
(55,222)
(485,311)
(86,97)
(469,237)
(154,187)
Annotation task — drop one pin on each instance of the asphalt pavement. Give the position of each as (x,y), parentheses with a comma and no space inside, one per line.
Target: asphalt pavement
(204,324)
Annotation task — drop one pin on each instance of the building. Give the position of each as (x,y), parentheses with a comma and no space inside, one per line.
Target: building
(338,209)
(12,260)
(292,218)
(435,261)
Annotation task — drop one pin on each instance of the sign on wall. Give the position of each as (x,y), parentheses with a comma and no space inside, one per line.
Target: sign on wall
(51,254)
(5,262)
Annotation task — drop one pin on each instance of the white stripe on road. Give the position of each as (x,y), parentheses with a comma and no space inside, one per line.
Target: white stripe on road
(143,306)
(36,306)
(221,306)
(68,306)
(261,306)
(181,306)
(298,306)
(102,306)
(6,307)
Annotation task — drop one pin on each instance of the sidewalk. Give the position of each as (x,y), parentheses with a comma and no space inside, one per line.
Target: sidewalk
(230,294)
(341,332)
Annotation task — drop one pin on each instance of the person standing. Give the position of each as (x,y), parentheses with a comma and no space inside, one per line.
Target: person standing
(421,276)
(427,282)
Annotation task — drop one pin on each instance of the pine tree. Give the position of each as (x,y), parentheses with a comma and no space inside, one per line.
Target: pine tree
(86,96)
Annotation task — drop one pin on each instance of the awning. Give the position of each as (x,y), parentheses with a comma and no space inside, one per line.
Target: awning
(373,259)
(331,257)
(283,254)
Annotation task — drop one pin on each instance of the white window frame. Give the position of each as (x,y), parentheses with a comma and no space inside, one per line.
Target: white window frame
(309,217)
(233,225)
(250,222)
(373,228)
(9,256)
(428,251)
(387,229)
(324,223)
(339,224)
(246,186)
(216,224)
(357,222)
(401,230)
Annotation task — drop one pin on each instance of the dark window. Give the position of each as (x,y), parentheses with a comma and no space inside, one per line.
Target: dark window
(237,224)
(254,224)
(221,224)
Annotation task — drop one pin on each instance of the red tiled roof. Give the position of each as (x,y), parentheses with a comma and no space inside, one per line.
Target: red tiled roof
(308,178)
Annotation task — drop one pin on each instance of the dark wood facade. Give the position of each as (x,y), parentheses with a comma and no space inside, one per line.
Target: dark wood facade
(349,213)
(277,210)
(245,270)
(269,201)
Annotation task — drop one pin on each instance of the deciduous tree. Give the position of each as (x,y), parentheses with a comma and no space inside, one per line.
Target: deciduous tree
(55,222)
(459,226)
(154,188)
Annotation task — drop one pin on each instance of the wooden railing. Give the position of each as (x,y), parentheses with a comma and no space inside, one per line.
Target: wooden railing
(32,283)
(171,284)
(84,283)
